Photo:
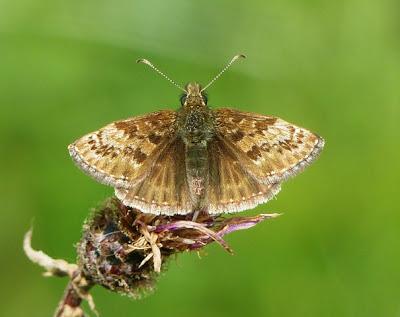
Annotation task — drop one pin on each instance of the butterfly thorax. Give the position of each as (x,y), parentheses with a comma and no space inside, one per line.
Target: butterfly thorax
(196,126)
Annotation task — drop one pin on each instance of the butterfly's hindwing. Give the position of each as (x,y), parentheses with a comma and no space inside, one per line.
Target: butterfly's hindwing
(165,189)
(231,188)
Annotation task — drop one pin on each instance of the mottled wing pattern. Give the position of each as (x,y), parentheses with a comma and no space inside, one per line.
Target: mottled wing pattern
(231,188)
(122,153)
(164,190)
(269,148)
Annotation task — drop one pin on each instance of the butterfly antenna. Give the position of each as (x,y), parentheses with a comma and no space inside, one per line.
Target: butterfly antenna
(148,63)
(234,59)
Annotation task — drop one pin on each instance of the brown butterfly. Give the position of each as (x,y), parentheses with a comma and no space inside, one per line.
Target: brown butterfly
(196,158)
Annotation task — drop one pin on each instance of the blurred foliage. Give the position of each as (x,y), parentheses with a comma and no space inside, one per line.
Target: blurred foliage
(67,68)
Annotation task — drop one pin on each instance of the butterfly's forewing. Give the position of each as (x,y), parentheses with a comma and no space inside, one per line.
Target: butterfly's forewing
(269,148)
(164,190)
(123,152)
(231,188)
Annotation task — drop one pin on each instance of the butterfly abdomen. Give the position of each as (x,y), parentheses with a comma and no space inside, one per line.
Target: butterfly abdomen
(197,165)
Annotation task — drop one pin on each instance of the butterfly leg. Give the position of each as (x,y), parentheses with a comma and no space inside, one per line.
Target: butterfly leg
(195,215)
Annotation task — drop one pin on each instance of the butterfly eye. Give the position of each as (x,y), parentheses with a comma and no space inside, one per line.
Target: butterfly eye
(183,99)
(205,98)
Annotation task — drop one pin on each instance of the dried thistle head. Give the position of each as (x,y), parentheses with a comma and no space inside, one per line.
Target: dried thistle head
(124,250)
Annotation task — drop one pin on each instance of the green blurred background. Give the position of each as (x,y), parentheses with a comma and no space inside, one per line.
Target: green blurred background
(67,68)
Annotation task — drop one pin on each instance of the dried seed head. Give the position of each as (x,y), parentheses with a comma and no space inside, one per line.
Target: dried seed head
(124,249)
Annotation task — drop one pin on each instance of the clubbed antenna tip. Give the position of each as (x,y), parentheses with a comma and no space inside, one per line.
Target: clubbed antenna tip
(148,63)
(234,59)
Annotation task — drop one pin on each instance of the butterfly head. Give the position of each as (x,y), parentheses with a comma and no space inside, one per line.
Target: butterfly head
(193,96)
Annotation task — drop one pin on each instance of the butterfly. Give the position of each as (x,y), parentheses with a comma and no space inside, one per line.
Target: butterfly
(196,158)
